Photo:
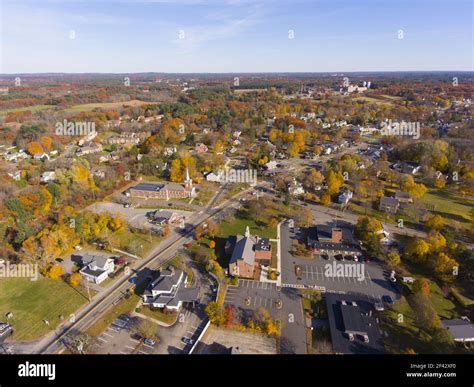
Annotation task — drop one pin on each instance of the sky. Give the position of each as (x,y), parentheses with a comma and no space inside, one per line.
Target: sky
(236,36)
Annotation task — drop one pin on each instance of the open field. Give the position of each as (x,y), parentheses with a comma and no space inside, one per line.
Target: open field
(31,302)
(33,109)
(449,205)
(235,226)
(104,105)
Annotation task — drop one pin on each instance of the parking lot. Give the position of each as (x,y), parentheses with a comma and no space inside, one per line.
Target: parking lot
(136,217)
(251,295)
(367,277)
(116,340)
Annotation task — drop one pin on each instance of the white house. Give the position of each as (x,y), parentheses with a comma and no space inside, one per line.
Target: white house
(168,290)
(47,176)
(96,267)
(271,165)
(214,176)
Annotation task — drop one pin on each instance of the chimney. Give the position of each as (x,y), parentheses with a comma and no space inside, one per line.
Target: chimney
(336,235)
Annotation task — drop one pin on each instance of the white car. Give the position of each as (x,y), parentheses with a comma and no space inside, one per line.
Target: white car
(78,247)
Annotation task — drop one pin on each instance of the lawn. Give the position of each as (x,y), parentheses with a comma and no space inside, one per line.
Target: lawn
(125,306)
(235,225)
(166,318)
(31,302)
(33,109)
(453,207)
(87,107)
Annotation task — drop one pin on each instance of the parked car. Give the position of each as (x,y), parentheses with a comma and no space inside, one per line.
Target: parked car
(325,256)
(388,300)
(379,307)
(149,342)
(60,260)
(78,247)
(187,340)
(338,257)
(127,205)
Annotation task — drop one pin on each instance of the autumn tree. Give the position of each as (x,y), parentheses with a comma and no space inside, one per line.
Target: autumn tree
(393,259)
(215,313)
(417,250)
(435,222)
(421,286)
(53,271)
(74,279)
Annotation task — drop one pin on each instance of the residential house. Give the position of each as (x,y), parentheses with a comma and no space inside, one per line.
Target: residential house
(168,290)
(462,330)
(163,217)
(403,197)
(15,175)
(96,268)
(344,197)
(89,149)
(213,176)
(201,148)
(388,204)
(271,165)
(169,151)
(41,156)
(47,176)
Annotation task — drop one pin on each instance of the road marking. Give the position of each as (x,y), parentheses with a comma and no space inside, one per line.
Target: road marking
(144,353)
(129,346)
(134,340)
(124,353)
(106,334)
(146,345)
(254,301)
(101,339)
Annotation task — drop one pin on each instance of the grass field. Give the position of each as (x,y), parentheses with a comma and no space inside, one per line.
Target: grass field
(33,109)
(234,226)
(104,105)
(372,100)
(449,205)
(31,302)
(123,307)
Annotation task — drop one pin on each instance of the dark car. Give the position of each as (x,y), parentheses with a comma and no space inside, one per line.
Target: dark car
(60,260)
(325,256)
(388,300)
(338,257)
(348,257)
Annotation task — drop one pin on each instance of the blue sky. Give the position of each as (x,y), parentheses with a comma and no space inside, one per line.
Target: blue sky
(113,36)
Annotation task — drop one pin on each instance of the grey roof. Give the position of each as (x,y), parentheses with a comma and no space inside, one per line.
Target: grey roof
(166,280)
(174,187)
(402,195)
(244,250)
(342,320)
(459,328)
(154,187)
(388,201)
(352,319)
(97,260)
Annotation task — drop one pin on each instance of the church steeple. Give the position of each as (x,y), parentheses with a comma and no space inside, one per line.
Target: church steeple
(247,232)
(188,183)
